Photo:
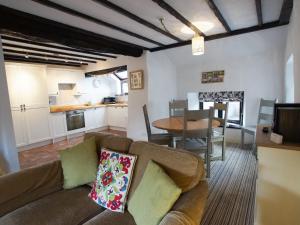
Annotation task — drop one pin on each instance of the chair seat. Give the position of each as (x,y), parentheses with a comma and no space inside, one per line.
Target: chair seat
(161,139)
(195,145)
(249,129)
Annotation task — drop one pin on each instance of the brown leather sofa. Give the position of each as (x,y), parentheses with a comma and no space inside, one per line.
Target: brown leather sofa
(36,196)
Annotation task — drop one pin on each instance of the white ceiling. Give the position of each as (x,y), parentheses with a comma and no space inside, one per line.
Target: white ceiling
(238,14)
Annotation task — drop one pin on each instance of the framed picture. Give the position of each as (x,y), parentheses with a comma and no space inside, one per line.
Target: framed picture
(213,77)
(136,80)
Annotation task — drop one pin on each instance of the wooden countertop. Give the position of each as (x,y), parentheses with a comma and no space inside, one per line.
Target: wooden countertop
(66,108)
(263,140)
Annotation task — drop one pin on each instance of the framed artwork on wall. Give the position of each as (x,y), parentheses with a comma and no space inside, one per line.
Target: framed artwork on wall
(136,79)
(213,77)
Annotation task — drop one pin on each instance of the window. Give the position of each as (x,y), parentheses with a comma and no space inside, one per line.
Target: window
(124,87)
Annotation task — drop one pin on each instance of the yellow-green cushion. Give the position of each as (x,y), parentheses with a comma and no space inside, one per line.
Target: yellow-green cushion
(154,196)
(79,164)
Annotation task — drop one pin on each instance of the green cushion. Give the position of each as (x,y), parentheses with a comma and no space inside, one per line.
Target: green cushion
(154,196)
(79,164)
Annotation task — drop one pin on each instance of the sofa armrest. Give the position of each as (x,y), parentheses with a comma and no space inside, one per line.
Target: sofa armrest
(18,189)
(189,208)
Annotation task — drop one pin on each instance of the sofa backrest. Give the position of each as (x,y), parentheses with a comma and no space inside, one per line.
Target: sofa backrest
(185,168)
(112,142)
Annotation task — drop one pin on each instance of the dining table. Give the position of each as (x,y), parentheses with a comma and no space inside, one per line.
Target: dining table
(175,125)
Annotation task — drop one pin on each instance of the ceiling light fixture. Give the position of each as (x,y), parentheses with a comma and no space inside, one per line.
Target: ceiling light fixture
(198,45)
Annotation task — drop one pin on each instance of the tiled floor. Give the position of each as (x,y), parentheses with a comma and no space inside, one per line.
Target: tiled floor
(49,153)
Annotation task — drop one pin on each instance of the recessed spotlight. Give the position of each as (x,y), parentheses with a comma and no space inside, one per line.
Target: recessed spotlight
(204,26)
(27,56)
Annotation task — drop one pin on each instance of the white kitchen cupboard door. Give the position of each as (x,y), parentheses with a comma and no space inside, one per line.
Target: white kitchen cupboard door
(20,129)
(58,124)
(38,127)
(52,82)
(89,119)
(117,116)
(14,85)
(100,117)
(34,87)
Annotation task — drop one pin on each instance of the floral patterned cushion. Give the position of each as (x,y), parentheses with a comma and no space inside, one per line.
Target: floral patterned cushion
(113,180)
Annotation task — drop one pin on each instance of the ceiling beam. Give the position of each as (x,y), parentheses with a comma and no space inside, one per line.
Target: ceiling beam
(94,20)
(50,51)
(218,14)
(134,17)
(259,12)
(40,61)
(18,22)
(178,16)
(31,42)
(223,35)
(286,11)
(10,51)
(106,71)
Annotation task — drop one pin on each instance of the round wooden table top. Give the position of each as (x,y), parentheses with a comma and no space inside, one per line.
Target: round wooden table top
(175,124)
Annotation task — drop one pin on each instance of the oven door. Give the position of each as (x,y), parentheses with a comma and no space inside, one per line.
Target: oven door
(75,120)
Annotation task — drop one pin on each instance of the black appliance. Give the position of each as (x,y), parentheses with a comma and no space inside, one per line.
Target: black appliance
(109,100)
(287,122)
(75,120)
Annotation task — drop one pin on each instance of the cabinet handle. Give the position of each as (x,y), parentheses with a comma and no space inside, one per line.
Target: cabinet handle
(24,107)
(21,106)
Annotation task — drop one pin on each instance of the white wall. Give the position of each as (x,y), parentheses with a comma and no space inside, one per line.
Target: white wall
(136,99)
(293,47)
(252,62)
(162,85)
(8,152)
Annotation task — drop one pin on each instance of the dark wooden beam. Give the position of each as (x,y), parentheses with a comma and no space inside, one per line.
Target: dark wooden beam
(286,11)
(178,16)
(94,20)
(218,14)
(134,17)
(223,35)
(49,51)
(259,12)
(40,61)
(10,51)
(21,23)
(106,71)
(31,42)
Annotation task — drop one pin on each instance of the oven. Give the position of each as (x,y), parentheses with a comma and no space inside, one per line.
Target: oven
(75,120)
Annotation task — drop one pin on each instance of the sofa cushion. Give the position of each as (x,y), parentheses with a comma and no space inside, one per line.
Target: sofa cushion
(79,163)
(18,189)
(111,218)
(113,142)
(66,207)
(113,180)
(154,196)
(185,168)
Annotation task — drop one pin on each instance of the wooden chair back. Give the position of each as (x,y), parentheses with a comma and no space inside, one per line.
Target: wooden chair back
(223,121)
(194,115)
(177,107)
(266,112)
(147,121)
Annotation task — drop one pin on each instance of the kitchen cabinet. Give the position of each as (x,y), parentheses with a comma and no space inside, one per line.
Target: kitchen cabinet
(95,118)
(117,116)
(29,102)
(57,76)
(58,124)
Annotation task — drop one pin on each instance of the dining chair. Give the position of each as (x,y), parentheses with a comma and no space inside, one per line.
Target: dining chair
(176,107)
(161,138)
(218,134)
(265,117)
(198,141)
